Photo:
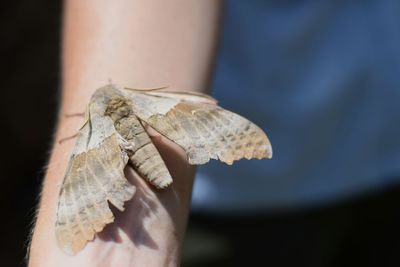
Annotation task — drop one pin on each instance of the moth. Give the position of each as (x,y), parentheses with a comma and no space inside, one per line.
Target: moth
(114,135)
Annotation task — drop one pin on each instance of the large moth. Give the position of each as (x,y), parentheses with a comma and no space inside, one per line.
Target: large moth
(114,135)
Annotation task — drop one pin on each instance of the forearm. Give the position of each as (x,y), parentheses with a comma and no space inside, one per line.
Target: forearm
(134,44)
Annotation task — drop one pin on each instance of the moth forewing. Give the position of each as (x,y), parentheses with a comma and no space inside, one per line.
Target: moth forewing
(94,177)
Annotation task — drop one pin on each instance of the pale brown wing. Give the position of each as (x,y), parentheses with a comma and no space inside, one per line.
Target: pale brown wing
(207,131)
(94,176)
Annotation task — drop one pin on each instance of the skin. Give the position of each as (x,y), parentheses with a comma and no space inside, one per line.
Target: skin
(135,43)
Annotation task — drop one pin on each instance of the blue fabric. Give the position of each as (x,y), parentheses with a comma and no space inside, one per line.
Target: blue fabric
(322,79)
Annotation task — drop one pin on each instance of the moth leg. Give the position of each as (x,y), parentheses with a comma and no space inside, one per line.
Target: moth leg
(87,120)
(85,114)
(125,144)
(62,140)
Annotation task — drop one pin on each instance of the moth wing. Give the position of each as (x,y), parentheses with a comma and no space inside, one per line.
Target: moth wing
(94,176)
(148,103)
(204,130)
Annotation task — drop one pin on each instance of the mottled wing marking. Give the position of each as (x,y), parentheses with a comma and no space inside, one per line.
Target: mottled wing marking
(94,176)
(208,131)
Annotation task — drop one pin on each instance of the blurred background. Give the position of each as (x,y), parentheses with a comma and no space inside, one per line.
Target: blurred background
(321,78)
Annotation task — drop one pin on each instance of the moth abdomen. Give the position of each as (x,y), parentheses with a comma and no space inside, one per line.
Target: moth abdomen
(143,155)
(148,162)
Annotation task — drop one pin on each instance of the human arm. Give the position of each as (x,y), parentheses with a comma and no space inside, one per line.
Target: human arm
(137,43)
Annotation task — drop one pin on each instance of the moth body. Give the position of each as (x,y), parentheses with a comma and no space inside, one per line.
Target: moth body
(143,155)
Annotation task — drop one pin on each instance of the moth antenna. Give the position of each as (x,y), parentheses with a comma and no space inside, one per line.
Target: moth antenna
(81,114)
(62,140)
(147,89)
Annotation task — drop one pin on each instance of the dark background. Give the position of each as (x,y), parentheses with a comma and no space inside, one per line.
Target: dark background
(30,38)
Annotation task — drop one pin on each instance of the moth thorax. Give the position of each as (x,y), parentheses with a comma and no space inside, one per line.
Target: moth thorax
(118,108)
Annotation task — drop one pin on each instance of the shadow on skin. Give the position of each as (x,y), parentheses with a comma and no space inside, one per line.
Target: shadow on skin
(147,200)
(131,220)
